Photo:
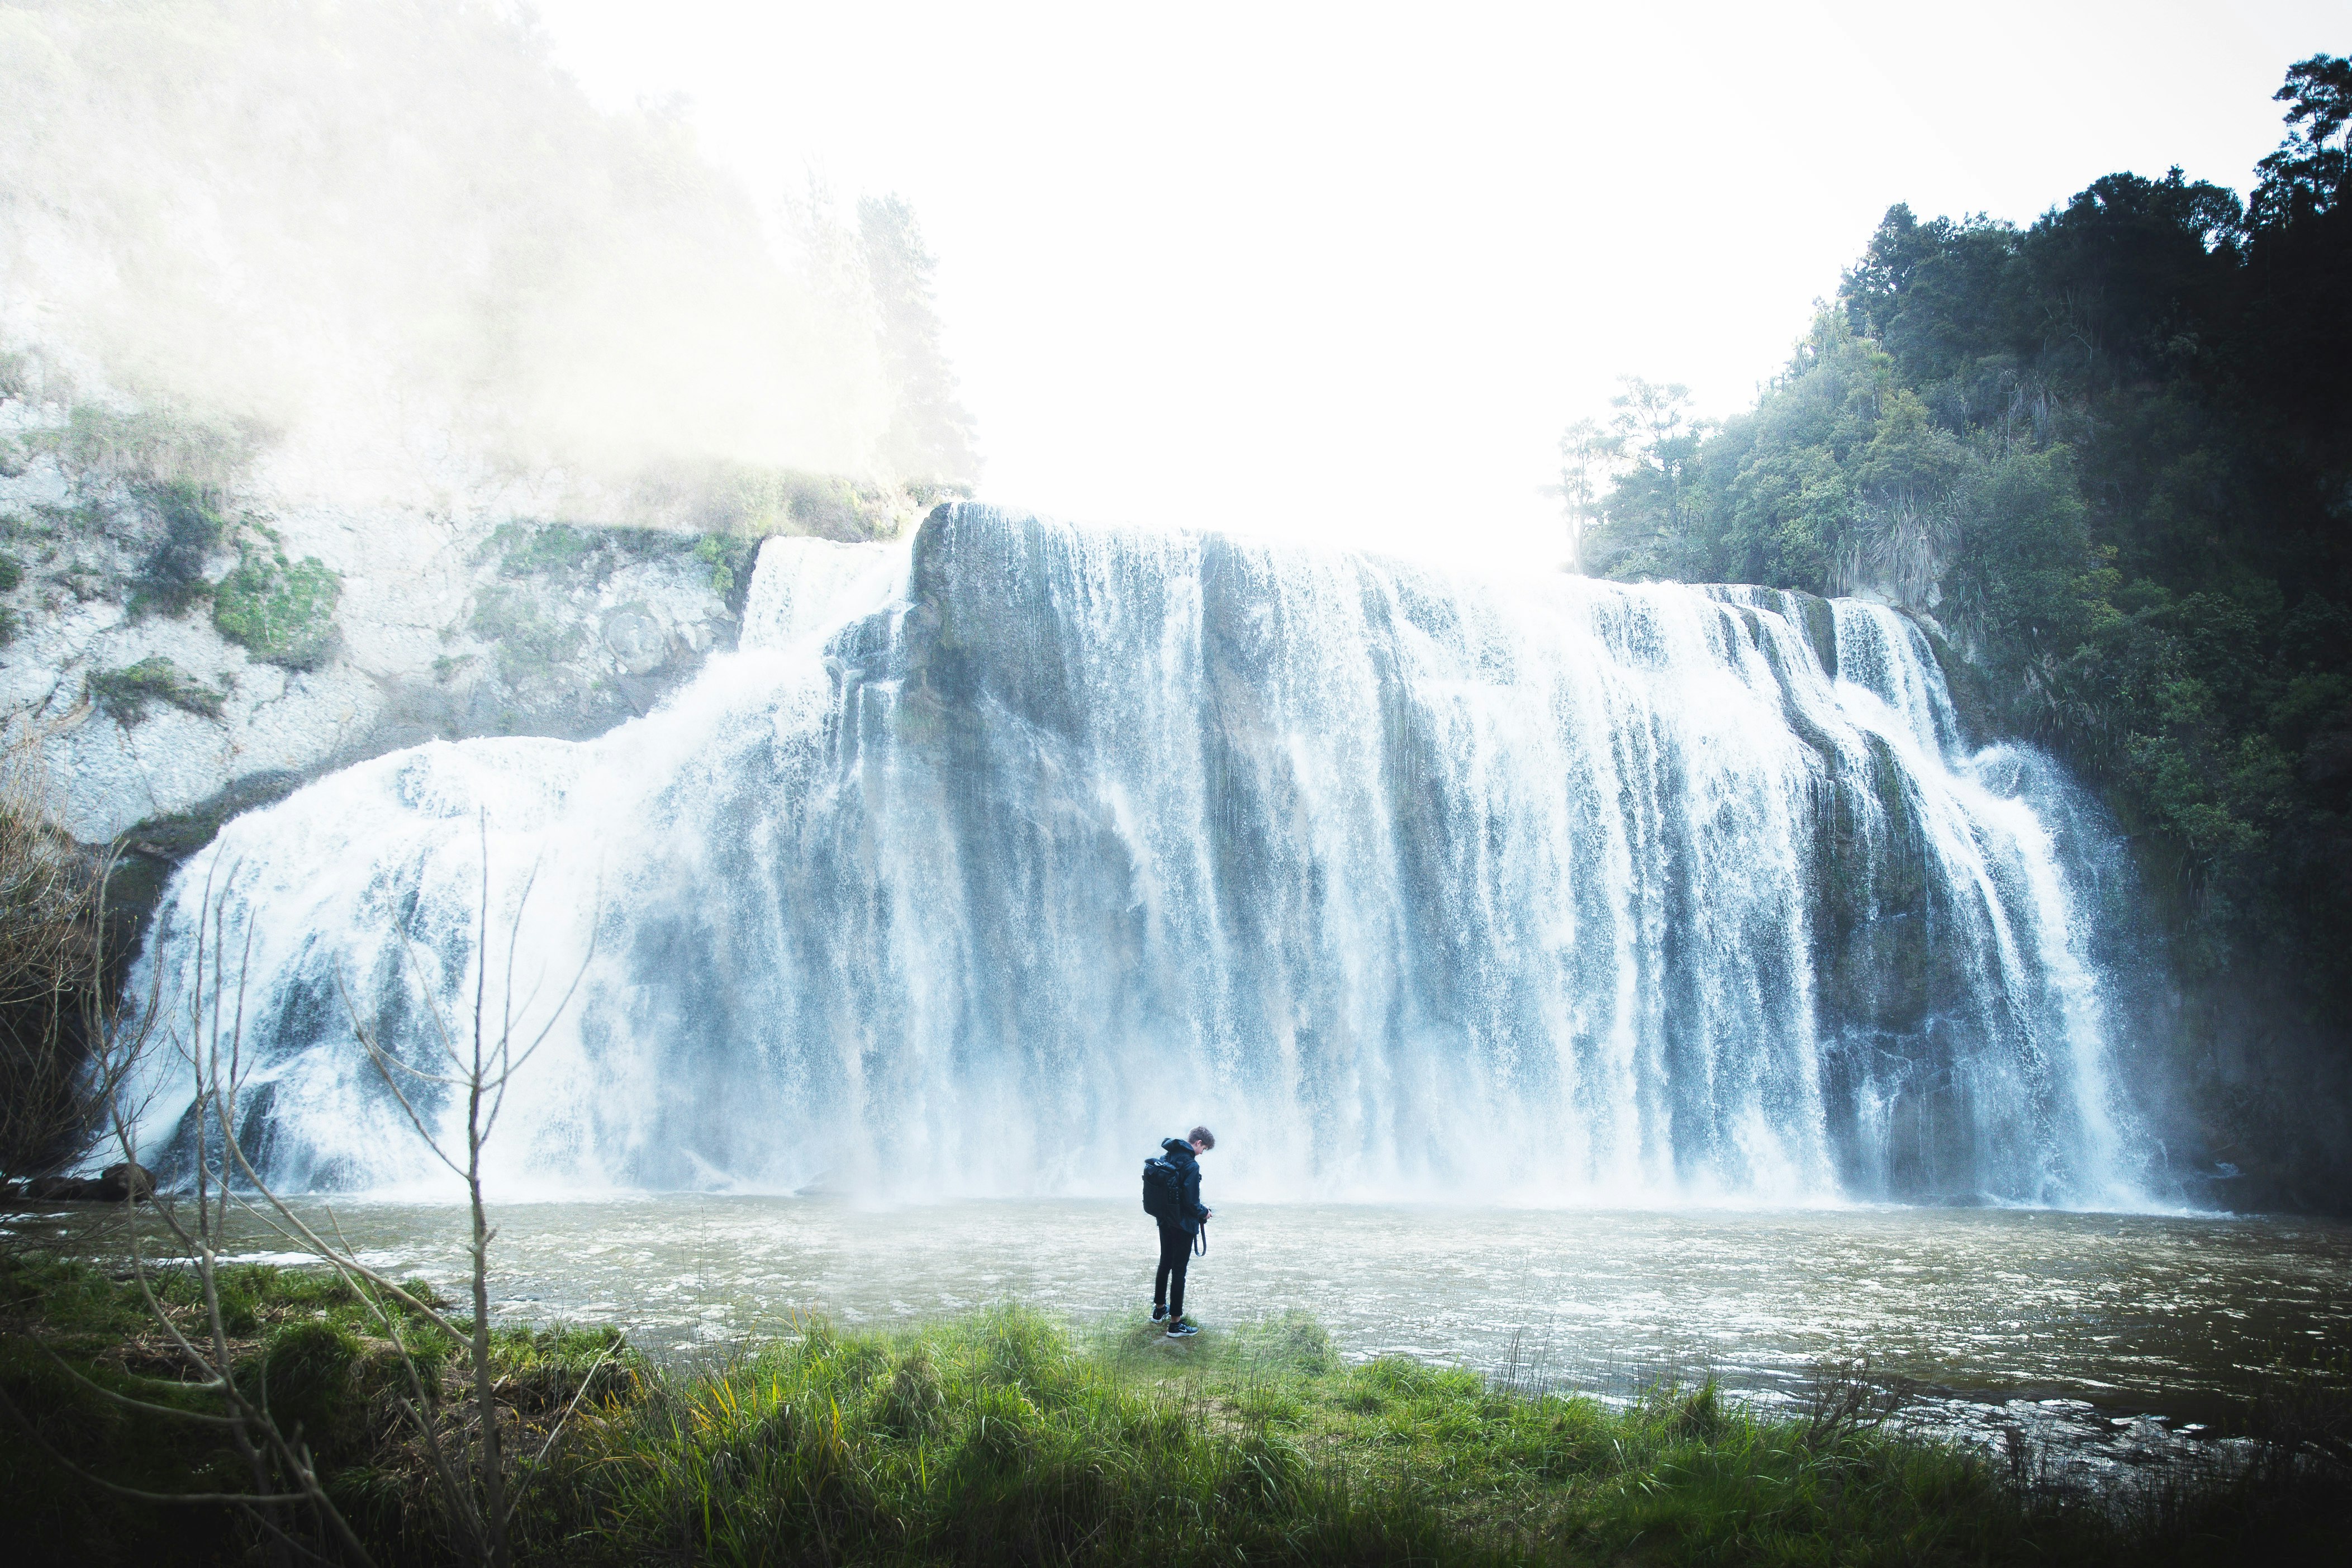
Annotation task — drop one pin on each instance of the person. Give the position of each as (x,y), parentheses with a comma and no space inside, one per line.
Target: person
(1176,1233)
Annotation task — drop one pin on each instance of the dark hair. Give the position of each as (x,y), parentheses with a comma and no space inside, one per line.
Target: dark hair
(1203,1137)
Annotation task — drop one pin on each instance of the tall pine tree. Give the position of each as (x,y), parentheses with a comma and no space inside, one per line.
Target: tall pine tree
(931,432)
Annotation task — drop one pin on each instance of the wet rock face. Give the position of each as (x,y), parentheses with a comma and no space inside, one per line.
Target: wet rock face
(126,1183)
(571,630)
(191,657)
(638,642)
(116,1184)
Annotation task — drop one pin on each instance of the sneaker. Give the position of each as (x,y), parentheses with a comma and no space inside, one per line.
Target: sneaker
(1178,1329)
(1159,1312)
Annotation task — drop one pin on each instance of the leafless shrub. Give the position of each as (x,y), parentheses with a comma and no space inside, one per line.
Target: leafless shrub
(56,975)
(1844,1398)
(481,1063)
(204,1032)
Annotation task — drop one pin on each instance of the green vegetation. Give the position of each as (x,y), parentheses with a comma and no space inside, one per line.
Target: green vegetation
(12,573)
(576,555)
(743,500)
(173,578)
(160,445)
(734,506)
(2111,455)
(730,560)
(303,1338)
(282,611)
(526,550)
(17,375)
(527,643)
(84,519)
(1004,1437)
(125,693)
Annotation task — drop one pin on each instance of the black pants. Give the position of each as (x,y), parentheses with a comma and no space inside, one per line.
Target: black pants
(1175,1252)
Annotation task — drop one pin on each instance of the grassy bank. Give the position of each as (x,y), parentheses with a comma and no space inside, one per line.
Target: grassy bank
(1006,1436)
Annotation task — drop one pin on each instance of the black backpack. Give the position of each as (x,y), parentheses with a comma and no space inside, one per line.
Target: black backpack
(1163,1189)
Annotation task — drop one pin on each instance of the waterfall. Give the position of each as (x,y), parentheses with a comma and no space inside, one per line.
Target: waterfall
(989,859)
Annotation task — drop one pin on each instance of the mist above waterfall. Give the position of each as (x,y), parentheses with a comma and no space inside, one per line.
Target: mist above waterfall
(398,241)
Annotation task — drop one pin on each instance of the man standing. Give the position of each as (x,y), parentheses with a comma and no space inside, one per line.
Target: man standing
(1178,1229)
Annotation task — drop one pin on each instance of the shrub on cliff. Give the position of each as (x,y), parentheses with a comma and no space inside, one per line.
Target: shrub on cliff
(172,579)
(124,694)
(282,611)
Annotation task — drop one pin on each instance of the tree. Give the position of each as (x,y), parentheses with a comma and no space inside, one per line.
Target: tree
(2298,312)
(1650,416)
(2307,177)
(1589,457)
(931,432)
(202,1029)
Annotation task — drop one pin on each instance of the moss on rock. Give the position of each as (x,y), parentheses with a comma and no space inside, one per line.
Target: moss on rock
(124,694)
(281,611)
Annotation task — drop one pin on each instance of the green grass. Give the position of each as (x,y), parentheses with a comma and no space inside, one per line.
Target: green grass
(573,556)
(12,573)
(738,500)
(1008,1436)
(161,446)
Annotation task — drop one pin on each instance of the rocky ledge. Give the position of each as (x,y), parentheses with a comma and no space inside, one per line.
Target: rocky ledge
(122,1184)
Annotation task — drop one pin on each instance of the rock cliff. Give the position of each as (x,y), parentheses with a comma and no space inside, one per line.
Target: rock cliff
(191,639)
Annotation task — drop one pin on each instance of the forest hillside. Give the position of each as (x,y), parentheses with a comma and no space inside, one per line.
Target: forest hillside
(2107,459)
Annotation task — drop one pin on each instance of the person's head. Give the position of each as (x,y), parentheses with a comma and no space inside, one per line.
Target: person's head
(1201,1140)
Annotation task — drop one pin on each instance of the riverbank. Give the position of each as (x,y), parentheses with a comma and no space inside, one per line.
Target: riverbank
(1006,1435)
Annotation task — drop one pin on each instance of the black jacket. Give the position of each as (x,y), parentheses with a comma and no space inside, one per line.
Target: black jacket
(1190,1211)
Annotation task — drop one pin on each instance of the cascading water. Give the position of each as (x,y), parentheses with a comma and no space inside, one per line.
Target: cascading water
(985,863)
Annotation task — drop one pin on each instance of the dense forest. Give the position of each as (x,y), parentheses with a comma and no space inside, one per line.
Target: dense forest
(2106,459)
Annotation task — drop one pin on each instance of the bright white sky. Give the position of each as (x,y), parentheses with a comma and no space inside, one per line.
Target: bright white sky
(1345,271)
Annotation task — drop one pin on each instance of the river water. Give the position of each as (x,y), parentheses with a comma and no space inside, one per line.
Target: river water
(2108,1335)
